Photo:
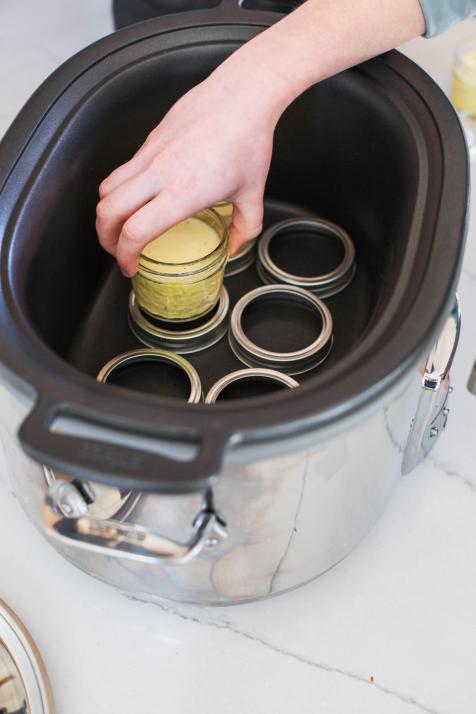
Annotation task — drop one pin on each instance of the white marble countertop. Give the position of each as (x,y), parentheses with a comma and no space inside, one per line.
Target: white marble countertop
(391,629)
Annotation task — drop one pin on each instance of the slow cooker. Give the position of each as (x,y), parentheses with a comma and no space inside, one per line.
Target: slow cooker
(225,502)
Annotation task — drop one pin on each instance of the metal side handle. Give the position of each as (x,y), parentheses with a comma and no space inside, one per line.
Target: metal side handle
(432,409)
(63,523)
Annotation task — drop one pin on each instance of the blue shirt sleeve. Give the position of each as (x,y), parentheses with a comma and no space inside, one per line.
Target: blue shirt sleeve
(441,14)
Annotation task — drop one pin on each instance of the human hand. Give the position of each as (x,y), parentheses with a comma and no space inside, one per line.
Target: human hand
(214,144)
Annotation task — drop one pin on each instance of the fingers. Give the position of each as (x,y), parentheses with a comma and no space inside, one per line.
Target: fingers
(150,221)
(139,162)
(247,221)
(113,210)
(122,173)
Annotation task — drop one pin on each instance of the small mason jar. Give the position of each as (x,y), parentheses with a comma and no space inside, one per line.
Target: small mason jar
(463,94)
(177,288)
(225,209)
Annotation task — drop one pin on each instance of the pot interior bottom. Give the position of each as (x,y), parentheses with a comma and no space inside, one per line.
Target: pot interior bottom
(105,332)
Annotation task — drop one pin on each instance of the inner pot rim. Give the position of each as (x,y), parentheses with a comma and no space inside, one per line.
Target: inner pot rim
(371,370)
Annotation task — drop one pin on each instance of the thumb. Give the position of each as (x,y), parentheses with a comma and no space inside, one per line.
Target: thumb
(247,221)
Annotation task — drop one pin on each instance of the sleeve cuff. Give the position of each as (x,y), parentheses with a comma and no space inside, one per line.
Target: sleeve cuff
(441,14)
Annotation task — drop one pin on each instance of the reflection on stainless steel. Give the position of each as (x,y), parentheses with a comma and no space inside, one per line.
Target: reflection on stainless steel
(292,510)
(432,410)
(472,380)
(290,516)
(78,498)
(131,541)
(24,686)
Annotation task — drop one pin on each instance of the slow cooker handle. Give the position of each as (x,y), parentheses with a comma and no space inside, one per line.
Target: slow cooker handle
(432,409)
(127,541)
(119,465)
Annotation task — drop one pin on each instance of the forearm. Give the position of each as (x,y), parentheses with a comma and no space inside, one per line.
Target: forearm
(216,142)
(319,39)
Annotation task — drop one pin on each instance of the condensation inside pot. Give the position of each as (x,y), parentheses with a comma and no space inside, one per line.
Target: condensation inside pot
(306,252)
(158,378)
(281,325)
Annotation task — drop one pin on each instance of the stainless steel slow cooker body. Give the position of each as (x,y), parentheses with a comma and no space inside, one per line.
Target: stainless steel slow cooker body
(245,499)
(275,519)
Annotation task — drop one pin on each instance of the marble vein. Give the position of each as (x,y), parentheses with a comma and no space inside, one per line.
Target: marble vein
(451,473)
(294,528)
(283,651)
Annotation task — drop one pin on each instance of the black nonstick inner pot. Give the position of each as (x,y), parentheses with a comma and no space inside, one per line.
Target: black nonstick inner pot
(377,150)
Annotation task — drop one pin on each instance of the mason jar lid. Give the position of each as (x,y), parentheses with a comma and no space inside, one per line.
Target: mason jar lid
(242,260)
(297,242)
(24,684)
(132,370)
(243,376)
(290,361)
(181,337)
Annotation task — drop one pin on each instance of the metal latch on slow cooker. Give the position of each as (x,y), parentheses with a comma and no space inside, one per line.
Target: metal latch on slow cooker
(432,409)
(70,498)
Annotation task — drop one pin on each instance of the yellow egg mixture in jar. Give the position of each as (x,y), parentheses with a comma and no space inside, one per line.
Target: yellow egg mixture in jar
(225,210)
(181,272)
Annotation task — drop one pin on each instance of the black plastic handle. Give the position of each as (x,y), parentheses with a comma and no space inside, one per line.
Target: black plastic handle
(125,467)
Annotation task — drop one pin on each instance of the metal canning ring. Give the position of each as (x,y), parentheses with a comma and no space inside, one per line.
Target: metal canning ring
(242,260)
(24,682)
(183,340)
(323,285)
(294,362)
(160,356)
(249,374)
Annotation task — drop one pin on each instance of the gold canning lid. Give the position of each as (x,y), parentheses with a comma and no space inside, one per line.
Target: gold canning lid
(24,684)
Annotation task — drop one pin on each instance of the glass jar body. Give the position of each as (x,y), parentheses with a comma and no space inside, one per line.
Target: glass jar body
(177,292)
(463,94)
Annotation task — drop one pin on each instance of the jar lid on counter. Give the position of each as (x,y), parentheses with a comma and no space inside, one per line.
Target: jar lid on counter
(249,382)
(281,327)
(309,253)
(24,684)
(182,337)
